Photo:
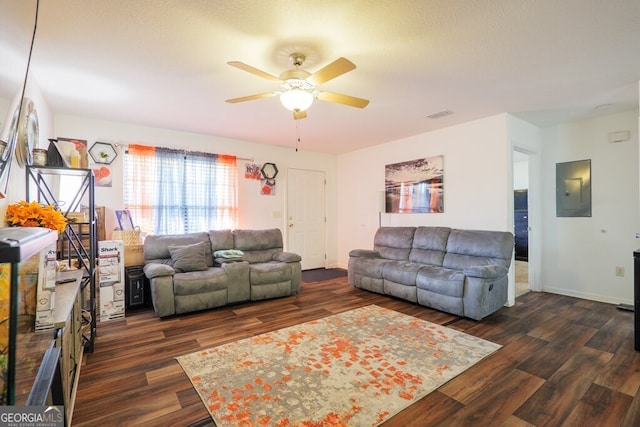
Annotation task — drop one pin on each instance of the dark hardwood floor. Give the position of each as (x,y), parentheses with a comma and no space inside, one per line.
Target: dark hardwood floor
(565,362)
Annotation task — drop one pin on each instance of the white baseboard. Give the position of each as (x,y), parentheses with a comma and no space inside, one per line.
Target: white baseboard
(586,295)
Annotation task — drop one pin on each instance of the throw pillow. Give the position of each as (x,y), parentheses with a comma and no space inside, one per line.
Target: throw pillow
(189,257)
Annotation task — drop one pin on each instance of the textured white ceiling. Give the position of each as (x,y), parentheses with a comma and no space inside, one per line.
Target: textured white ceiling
(163,62)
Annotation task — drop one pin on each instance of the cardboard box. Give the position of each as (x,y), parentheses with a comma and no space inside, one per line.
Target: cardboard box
(111,279)
(46,288)
(133,255)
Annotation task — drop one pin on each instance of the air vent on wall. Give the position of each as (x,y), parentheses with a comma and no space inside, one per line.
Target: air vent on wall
(439,114)
(621,136)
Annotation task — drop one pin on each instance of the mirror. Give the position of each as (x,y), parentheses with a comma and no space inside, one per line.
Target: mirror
(269,171)
(16,33)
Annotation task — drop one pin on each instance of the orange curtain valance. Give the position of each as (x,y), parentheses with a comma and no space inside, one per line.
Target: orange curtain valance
(141,150)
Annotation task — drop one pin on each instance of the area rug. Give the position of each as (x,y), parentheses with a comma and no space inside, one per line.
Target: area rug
(356,368)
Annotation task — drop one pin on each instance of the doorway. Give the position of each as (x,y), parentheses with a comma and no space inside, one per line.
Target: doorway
(306,216)
(521,221)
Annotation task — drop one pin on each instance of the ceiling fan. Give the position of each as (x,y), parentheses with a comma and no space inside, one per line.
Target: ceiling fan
(298,88)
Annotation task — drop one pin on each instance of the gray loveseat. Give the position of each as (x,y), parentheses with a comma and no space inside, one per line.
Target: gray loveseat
(197,271)
(462,272)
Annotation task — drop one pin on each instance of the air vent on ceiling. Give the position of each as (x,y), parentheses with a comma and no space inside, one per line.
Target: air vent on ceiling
(439,114)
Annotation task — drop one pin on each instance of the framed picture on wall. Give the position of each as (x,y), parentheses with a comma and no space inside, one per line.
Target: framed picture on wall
(415,186)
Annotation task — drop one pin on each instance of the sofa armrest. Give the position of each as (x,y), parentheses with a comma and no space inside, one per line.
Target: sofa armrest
(486,271)
(364,253)
(158,270)
(287,257)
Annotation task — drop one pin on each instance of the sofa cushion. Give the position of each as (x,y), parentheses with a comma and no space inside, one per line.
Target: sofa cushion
(403,272)
(368,267)
(258,245)
(189,257)
(429,245)
(440,280)
(394,242)
(198,282)
(221,239)
(467,248)
(269,272)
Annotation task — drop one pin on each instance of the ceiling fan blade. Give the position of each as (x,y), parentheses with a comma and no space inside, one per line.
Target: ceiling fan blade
(338,98)
(331,71)
(251,97)
(299,115)
(255,71)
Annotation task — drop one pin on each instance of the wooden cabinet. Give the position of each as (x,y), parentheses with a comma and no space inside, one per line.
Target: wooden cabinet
(68,324)
(56,381)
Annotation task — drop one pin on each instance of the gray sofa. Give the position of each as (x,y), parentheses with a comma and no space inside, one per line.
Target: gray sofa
(197,271)
(462,272)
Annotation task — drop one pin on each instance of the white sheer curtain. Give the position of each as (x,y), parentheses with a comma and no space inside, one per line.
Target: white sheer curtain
(175,192)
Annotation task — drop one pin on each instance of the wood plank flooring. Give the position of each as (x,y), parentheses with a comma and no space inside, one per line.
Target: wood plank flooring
(565,362)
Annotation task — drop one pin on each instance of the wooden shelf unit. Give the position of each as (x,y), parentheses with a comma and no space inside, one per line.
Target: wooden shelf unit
(79,248)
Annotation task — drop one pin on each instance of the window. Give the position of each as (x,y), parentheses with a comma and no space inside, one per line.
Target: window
(172,191)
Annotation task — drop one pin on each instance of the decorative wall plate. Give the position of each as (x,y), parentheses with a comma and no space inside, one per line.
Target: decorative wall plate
(28,133)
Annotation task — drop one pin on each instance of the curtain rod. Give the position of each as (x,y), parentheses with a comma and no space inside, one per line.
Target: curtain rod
(125,146)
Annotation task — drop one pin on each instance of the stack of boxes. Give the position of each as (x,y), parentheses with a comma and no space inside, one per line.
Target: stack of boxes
(46,288)
(111,279)
(124,250)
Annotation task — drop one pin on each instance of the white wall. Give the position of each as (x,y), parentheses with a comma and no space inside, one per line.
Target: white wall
(477,182)
(580,254)
(16,189)
(256,211)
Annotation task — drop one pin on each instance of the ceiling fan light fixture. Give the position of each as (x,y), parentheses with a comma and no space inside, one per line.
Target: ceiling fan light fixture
(296,99)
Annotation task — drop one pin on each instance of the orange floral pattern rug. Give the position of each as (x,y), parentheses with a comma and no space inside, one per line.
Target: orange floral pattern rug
(356,368)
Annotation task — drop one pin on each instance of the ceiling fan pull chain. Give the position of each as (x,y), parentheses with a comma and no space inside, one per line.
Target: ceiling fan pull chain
(297,134)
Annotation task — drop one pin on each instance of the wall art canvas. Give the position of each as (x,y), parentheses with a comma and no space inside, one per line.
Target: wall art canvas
(252,171)
(415,186)
(268,187)
(102,174)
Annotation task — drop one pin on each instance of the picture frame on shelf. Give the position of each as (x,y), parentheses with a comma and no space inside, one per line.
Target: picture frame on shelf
(124,219)
(73,151)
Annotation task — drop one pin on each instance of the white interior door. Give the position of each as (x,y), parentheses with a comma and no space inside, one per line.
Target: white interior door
(306,216)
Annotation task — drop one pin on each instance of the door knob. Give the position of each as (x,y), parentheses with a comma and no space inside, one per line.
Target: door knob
(290,225)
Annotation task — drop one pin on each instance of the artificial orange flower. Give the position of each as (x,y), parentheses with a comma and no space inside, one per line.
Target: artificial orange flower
(33,214)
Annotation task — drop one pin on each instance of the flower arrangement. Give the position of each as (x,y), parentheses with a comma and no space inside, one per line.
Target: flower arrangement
(33,214)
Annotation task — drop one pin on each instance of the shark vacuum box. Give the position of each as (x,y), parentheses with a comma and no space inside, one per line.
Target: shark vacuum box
(111,279)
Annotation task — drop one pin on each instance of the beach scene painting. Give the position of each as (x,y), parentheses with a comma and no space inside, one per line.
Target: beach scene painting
(415,186)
